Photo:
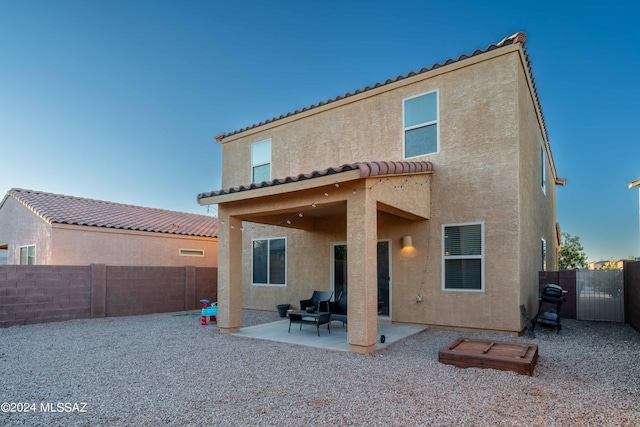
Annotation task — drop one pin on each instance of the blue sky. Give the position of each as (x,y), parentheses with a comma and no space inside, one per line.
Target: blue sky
(120,100)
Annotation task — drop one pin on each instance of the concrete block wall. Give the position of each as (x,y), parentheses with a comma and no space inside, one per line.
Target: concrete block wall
(46,293)
(206,279)
(144,290)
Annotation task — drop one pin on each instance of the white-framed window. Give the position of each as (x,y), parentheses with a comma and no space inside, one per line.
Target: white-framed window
(28,255)
(543,170)
(261,161)
(269,261)
(191,252)
(463,257)
(543,248)
(420,125)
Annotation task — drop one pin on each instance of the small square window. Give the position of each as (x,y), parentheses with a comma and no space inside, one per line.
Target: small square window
(28,255)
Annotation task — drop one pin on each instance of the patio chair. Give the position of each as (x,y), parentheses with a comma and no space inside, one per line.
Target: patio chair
(319,300)
(338,309)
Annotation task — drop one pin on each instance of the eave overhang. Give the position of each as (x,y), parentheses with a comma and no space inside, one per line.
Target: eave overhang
(315,179)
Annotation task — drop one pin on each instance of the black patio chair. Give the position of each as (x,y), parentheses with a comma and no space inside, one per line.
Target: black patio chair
(338,309)
(319,300)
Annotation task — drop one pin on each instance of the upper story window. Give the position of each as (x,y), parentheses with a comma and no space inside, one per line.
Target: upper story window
(463,257)
(28,255)
(261,161)
(421,125)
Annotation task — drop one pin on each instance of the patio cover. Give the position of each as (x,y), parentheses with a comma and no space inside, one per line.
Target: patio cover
(357,190)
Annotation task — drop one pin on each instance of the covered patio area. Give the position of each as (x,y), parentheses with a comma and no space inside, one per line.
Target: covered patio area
(337,204)
(336,340)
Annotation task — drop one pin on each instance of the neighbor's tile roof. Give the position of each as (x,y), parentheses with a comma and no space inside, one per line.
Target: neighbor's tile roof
(61,209)
(367,169)
(519,37)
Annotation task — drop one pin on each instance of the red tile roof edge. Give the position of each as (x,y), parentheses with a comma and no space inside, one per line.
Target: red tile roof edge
(367,169)
(104,214)
(519,37)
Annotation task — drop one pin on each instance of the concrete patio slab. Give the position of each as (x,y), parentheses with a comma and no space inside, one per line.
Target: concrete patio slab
(336,340)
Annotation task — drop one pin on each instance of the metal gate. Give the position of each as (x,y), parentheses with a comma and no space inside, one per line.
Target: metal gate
(600,295)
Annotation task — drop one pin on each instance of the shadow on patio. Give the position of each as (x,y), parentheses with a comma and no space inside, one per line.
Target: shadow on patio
(336,340)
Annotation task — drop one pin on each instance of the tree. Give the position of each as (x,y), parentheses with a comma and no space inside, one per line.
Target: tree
(571,254)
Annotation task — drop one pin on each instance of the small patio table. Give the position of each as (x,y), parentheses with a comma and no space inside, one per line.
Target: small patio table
(317,318)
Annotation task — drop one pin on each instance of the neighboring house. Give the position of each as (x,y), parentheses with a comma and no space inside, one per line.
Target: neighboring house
(436,187)
(607,265)
(53,229)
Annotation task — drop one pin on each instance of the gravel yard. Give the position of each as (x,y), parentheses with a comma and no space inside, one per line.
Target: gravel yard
(167,370)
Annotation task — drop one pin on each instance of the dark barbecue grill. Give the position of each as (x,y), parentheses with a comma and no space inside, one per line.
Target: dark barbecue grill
(551,301)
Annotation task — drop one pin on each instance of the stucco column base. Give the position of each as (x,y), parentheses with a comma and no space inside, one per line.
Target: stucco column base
(229,330)
(361,349)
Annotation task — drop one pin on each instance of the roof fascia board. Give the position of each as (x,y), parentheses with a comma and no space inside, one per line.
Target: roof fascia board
(486,56)
(94,229)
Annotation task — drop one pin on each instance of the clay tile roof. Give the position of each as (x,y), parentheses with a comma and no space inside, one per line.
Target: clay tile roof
(61,209)
(367,169)
(519,38)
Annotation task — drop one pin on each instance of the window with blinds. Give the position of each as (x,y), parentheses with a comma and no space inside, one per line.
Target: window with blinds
(463,257)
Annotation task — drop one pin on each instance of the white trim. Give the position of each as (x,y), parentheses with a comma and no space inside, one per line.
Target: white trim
(286,261)
(480,257)
(425,124)
(543,255)
(197,252)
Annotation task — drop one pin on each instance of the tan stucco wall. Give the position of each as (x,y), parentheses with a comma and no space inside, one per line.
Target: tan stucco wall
(78,245)
(537,207)
(20,227)
(485,172)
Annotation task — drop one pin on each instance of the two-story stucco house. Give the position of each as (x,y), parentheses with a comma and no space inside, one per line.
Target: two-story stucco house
(432,193)
(43,228)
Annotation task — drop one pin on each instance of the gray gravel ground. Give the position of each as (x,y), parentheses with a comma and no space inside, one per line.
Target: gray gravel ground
(166,370)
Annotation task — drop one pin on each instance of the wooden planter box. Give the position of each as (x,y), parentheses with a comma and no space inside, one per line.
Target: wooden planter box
(507,356)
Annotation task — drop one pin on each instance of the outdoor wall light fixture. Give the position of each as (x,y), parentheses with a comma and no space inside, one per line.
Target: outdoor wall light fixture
(407,242)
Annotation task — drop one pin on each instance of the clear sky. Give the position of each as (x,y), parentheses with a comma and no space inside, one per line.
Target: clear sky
(120,100)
